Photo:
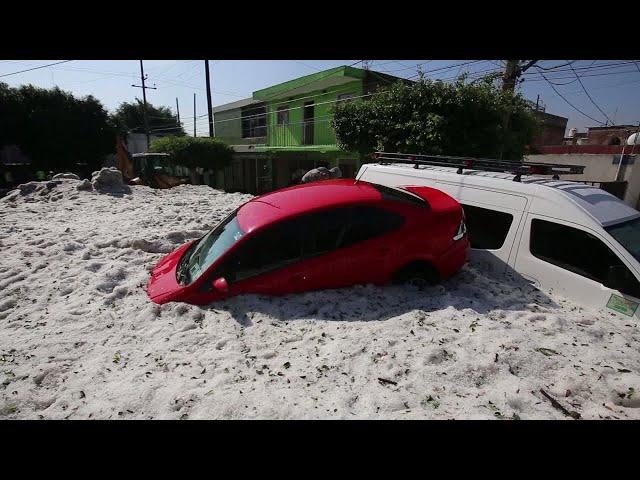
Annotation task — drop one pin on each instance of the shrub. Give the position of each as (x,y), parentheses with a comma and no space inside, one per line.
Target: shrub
(194,152)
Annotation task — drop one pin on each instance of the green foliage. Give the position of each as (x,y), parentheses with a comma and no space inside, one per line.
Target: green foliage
(55,129)
(193,152)
(432,117)
(129,118)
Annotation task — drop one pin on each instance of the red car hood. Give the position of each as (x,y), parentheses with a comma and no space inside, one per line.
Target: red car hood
(163,282)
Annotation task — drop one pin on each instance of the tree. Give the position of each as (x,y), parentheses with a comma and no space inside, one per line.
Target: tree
(56,130)
(432,117)
(194,152)
(129,117)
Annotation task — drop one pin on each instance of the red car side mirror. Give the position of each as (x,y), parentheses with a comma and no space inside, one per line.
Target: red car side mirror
(221,285)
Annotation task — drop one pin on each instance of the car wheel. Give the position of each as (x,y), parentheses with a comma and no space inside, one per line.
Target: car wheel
(418,275)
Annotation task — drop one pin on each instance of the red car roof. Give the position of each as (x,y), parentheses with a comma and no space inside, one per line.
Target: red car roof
(292,201)
(298,199)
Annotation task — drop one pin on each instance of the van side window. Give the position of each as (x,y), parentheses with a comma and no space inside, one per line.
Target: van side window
(487,229)
(582,253)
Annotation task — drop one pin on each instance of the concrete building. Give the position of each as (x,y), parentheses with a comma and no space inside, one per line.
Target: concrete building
(602,167)
(552,129)
(285,130)
(608,135)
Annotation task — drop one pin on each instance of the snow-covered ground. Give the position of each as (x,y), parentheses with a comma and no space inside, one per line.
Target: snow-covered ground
(80,339)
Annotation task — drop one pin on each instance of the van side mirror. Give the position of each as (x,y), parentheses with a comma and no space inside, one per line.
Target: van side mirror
(617,277)
(221,285)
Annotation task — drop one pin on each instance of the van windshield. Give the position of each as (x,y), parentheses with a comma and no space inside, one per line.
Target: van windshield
(628,235)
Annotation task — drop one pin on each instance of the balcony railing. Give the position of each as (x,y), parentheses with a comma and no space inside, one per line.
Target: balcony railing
(311,132)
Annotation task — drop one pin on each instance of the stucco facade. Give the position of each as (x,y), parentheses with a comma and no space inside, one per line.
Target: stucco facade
(601,169)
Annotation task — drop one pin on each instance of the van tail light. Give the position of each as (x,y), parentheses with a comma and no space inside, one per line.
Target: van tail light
(461,232)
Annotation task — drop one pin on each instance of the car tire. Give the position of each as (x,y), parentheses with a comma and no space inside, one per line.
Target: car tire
(419,275)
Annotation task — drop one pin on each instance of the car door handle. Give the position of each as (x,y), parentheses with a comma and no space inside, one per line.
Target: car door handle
(300,277)
(384,250)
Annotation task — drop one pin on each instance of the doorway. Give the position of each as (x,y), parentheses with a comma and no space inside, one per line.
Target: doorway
(307,123)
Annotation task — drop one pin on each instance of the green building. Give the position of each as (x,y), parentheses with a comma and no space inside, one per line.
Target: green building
(283,131)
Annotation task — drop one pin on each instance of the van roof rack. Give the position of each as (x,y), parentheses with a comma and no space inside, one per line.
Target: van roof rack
(483,164)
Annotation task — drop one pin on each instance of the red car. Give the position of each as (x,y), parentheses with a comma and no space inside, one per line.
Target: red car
(326,234)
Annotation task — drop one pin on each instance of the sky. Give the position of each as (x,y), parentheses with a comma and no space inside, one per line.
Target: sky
(610,90)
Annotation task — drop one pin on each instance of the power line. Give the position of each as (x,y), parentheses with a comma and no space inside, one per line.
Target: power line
(444,68)
(582,76)
(307,65)
(568,102)
(398,62)
(604,66)
(346,89)
(320,78)
(163,72)
(36,68)
(557,66)
(323,119)
(331,101)
(302,106)
(587,93)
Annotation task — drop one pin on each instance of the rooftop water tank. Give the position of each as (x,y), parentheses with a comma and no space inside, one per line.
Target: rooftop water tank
(634,139)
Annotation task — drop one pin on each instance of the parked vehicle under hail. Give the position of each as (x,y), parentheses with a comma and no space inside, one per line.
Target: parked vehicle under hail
(564,236)
(321,235)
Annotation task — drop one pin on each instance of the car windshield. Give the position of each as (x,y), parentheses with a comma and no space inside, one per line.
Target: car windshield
(628,235)
(210,248)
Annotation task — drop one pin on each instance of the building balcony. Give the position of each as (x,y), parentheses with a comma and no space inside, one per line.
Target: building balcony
(313,133)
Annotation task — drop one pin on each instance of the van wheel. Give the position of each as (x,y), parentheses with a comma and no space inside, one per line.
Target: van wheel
(417,274)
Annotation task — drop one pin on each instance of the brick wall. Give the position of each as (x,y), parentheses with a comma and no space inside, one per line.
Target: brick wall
(552,129)
(607,135)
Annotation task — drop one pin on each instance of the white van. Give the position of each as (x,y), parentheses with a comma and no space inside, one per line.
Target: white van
(567,237)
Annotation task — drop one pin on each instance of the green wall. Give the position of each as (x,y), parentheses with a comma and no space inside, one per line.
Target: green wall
(228,128)
(292,134)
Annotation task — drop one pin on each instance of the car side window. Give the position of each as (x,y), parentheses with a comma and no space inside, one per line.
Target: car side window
(369,222)
(488,229)
(274,248)
(323,231)
(582,253)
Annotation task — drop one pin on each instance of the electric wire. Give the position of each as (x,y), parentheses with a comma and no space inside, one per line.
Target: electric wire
(35,68)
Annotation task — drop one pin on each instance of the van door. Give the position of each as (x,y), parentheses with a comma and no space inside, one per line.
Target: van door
(578,263)
(492,219)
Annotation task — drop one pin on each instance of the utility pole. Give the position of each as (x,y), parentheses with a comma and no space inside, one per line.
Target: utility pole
(178,110)
(513,69)
(194,114)
(209,107)
(144,100)
(537,102)
(510,75)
